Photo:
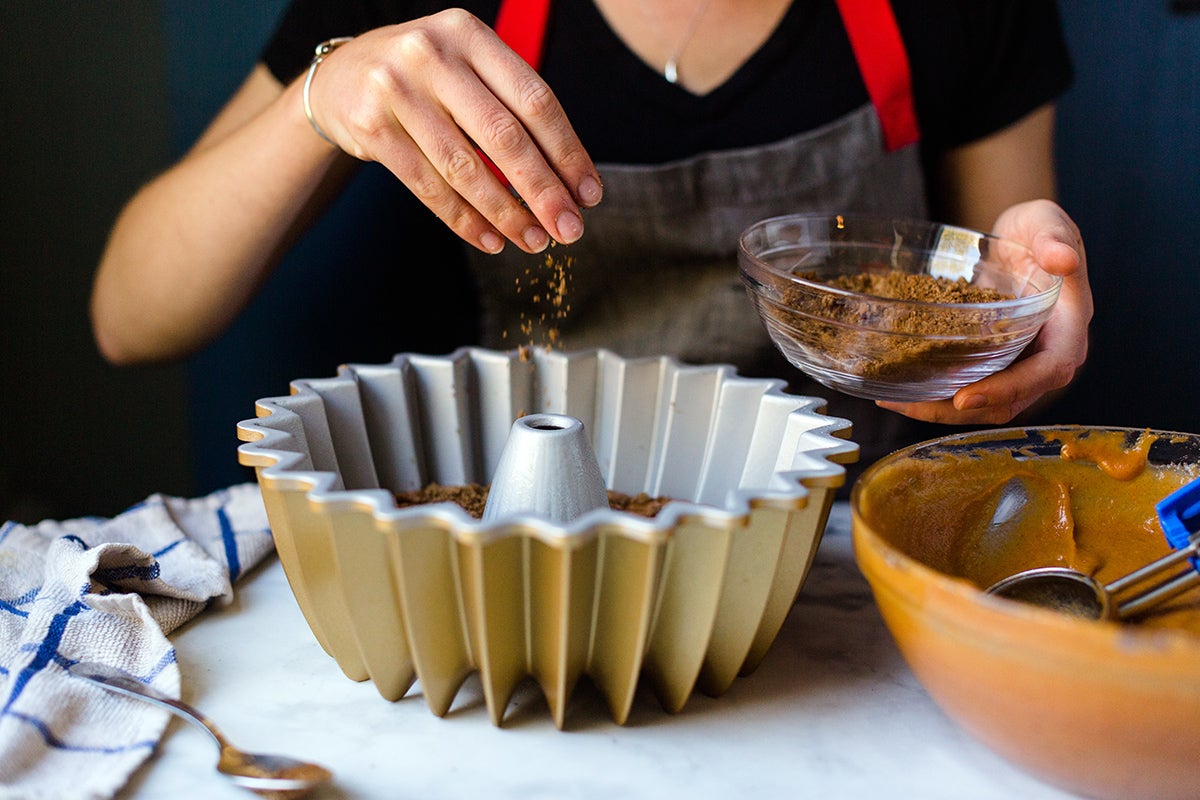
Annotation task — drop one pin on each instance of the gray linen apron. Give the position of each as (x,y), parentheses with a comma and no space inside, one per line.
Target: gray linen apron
(656,270)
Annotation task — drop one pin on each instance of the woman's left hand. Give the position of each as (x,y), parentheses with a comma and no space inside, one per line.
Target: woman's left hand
(1051,360)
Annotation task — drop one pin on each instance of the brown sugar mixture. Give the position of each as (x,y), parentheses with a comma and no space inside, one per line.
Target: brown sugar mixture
(898,285)
(1090,509)
(473,497)
(835,329)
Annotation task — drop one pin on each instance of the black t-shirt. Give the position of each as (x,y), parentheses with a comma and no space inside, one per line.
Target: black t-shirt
(977,66)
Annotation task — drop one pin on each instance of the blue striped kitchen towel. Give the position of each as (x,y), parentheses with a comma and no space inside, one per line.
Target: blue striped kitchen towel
(107,590)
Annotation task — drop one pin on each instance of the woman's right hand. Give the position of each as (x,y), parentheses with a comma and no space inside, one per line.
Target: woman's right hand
(419,97)
(193,246)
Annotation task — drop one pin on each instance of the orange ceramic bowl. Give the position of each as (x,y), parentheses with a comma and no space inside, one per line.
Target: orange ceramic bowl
(1104,709)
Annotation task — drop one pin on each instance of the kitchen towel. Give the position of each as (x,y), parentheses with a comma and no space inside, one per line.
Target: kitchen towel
(107,590)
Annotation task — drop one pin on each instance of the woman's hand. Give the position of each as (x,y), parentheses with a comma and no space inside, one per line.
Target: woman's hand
(1050,361)
(420,97)
(192,247)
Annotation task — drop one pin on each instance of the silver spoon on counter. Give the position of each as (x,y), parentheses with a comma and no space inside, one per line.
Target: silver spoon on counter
(1072,592)
(273,776)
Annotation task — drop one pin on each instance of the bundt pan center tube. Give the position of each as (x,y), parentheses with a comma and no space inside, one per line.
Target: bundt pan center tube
(547,469)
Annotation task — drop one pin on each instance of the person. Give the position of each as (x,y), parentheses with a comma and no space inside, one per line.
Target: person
(599,159)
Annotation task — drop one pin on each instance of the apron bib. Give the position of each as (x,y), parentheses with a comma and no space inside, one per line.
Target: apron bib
(656,271)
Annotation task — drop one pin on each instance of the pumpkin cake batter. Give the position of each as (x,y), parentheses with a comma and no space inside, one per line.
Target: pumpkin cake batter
(1091,509)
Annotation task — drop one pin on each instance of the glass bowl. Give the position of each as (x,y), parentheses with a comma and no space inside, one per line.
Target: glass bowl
(1100,708)
(991,300)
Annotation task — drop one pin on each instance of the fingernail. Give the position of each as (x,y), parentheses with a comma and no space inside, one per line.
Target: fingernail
(590,191)
(491,242)
(570,227)
(536,239)
(973,401)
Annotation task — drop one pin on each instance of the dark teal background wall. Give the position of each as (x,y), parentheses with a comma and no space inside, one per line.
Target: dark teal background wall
(95,98)
(210,48)
(1129,157)
(83,114)
(357,288)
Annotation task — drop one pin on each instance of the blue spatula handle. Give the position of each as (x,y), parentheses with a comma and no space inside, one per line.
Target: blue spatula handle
(1179,514)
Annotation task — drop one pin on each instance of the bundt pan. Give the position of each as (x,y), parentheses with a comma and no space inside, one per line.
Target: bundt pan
(690,598)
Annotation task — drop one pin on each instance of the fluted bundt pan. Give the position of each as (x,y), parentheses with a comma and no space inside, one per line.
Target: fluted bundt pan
(688,599)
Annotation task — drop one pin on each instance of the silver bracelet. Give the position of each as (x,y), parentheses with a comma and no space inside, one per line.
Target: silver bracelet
(322,51)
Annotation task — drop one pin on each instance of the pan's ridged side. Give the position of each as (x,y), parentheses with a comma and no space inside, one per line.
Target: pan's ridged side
(688,599)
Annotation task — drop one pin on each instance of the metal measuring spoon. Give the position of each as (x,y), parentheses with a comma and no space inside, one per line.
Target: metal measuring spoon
(1072,592)
(277,777)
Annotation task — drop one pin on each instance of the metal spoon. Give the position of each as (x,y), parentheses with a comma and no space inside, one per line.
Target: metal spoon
(1072,592)
(277,777)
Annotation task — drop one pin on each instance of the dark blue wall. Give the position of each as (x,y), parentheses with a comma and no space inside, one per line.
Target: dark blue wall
(1129,155)
(83,124)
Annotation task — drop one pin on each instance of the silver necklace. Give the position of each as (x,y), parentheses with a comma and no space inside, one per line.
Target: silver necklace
(671,69)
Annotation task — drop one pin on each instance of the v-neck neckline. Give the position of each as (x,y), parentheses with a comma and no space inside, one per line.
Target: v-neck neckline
(652,80)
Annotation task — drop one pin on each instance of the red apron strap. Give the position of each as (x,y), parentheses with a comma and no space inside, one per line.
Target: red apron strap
(875,38)
(521,24)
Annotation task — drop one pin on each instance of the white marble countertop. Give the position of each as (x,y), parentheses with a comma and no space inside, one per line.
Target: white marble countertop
(832,712)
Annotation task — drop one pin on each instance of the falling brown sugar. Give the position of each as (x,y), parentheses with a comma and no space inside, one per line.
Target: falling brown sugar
(546,287)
